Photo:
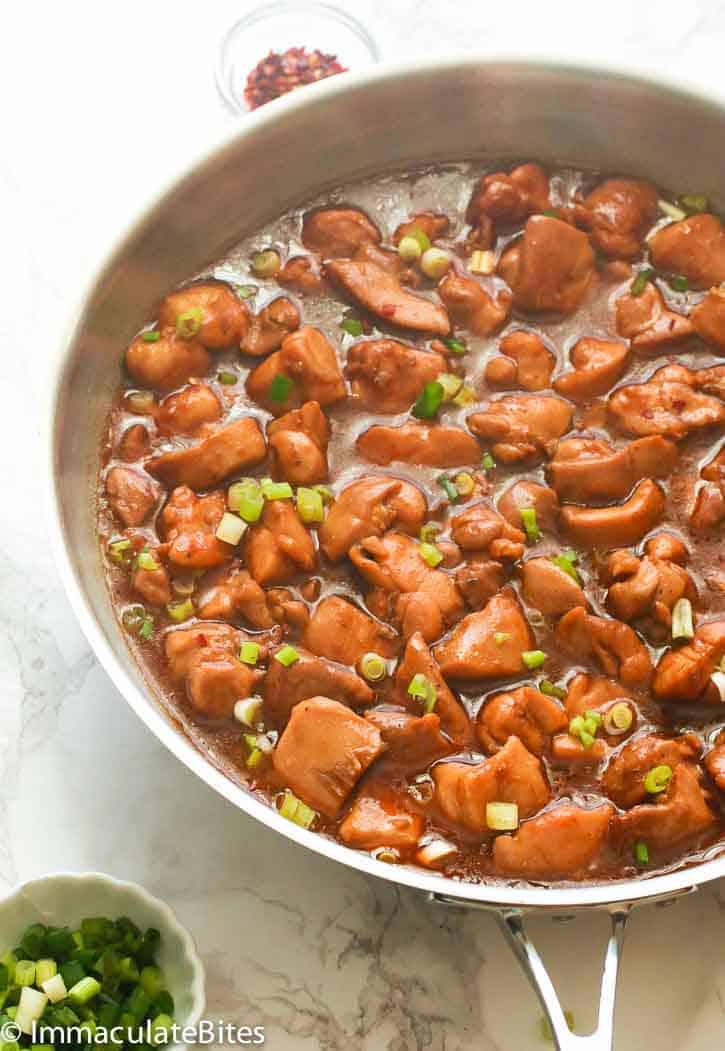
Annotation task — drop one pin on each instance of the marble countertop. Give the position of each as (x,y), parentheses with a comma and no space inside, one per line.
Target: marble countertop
(106,100)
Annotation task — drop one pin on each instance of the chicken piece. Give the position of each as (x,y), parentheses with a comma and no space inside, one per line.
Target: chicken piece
(478,580)
(387,376)
(549,589)
(188,410)
(341,632)
(131,494)
(302,274)
(648,322)
(683,674)
(206,659)
(298,442)
(270,326)
(189,524)
(480,528)
(625,775)
(708,318)
(646,587)
(324,751)
(167,363)
(591,471)
(375,821)
(310,676)
(470,306)
(286,609)
(524,713)
(715,762)
(549,269)
(709,509)
(668,404)
(616,526)
(711,380)
(563,843)
(413,742)
(569,751)
(512,775)
(510,198)
(425,445)
(309,360)
(379,291)
(153,585)
(134,443)
(593,693)
(487,644)
(617,214)
(694,248)
(597,365)
(525,361)
(368,507)
(681,813)
(432,224)
(238,445)
(523,494)
(278,547)
(523,426)
(230,592)
(418,660)
(394,563)
(224,318)
(335,233)
(615,646)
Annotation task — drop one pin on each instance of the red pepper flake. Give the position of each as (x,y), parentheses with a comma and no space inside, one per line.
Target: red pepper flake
(282,72)
(388,310)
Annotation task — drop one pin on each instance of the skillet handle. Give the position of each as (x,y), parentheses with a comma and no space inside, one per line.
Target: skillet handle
(602,1039)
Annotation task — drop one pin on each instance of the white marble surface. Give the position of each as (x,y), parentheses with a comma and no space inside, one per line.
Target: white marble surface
(101,102)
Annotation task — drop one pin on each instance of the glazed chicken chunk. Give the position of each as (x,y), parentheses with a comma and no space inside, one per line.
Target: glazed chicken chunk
(387,375)
(550,269)
(522,427)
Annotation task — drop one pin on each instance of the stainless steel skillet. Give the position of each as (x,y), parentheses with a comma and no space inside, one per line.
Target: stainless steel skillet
(368,122)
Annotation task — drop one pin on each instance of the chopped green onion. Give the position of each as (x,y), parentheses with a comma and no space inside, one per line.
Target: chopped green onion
(325,492)
(248,711)
(287,656)
(231,528)
(431,554)
(657,779)
(565,561)
(434,263)
(276,490)
(353,326)
(189,323)
(482,262)
(421,237)
(247,499)
(45,969)
(549,688)
(533,658)
(501,637)
(267,263)
(309,506)
(147,628)
(671,211)
(619,718)
(180,611)
(592,721)
(423,690)
(280,388)
(373,667)
(246,291)
(429,532)
(54,988)
(694,203)
(466,396)
(140,401)
(249,652)
(25,972)
(584,727)
(641,281)
(145,560)
(295,810)
(682,626)
(641,853)
(531,527)
(161,1028)
(550,213)
(227,378)
(457,346)
(448,487)
(450,383)
(152,336)
(502,817)
(118,551)
(487,462)
(151,981)
(255,755)
(136,620)
(84,990)
(409,249)
(31,1005)
(464,483)
(680,283)
(429,401)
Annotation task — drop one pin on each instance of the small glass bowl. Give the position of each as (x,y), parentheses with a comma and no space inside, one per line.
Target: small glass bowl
(279,26)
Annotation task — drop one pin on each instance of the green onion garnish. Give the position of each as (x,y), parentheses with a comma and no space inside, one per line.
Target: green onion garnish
(248,711)
(501,637)
(147,628)
(457,346)
(421,237)
(448,487)
(295,810)
(466,396)
(487,462)
(189,323)
(429,401)
(671,211)
(249,653)
(145,560)
(641,281)
(429,532)
(502,817)
(309,506)
(423,690)
(84,990)
(25,972)
(641,853)
(227,378)
(247,499)
(152,336)
(231,528)
(682,625)
(246,291)
(287,656)
(136,620)
(373,667)
(657,779)
(409,249)
(276,490)
(280,388)
(694,203)
(179,611)
(450,383)
(531,527)
(566,561)
(353,326)
(619,718)
(255,755)
(464,483)
(533,658)
(431,554)
(325,492)
(680,283)
(119,550)
(585,727)
(552,690)
(267,263)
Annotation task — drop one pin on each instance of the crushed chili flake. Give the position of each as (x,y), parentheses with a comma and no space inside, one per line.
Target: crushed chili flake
(279,73)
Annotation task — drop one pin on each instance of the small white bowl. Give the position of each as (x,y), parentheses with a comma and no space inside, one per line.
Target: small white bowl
(65,898)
